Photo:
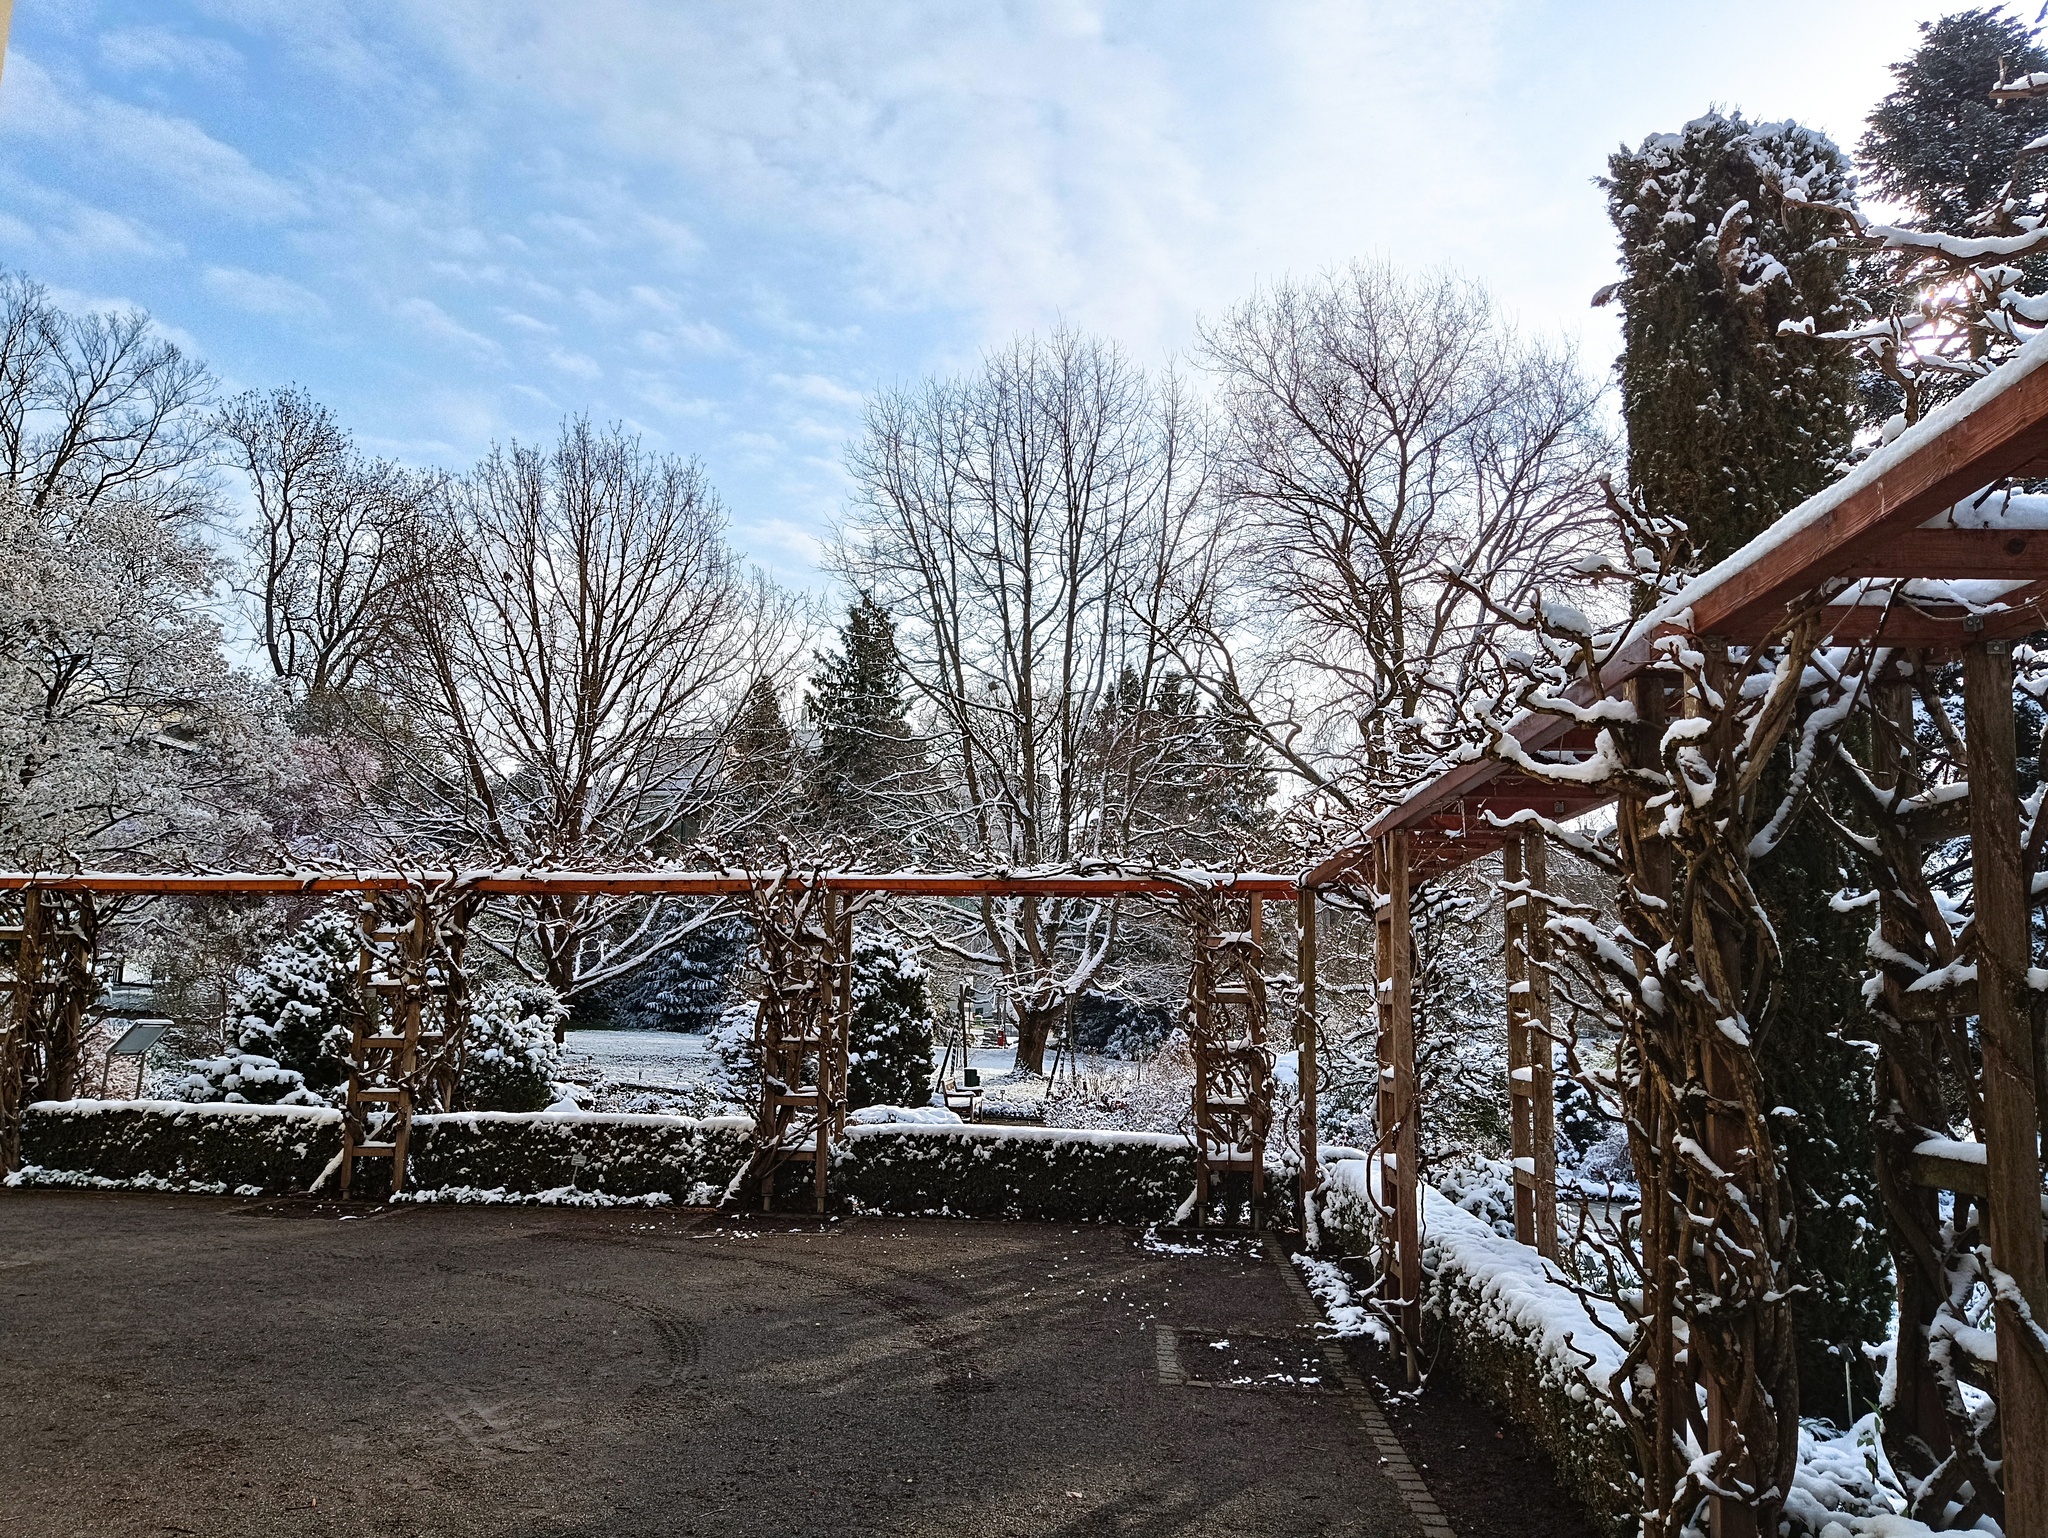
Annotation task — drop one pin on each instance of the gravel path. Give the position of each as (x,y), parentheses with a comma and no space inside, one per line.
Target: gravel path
(181,1365)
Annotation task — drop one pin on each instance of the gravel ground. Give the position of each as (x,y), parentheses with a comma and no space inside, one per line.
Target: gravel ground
(184,1365)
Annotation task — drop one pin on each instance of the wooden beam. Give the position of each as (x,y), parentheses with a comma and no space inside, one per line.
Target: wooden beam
(2012,1113)
(1406,1194)
(500,883)
(1965,555)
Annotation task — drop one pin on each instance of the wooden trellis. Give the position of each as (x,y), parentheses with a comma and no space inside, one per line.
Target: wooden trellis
(1396,1187)
(408,1031)
(1532,1103)
(1226,1020)
(49,983)
(803,959)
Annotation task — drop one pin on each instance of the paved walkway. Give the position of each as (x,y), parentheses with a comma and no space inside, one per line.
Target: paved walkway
(179,1365)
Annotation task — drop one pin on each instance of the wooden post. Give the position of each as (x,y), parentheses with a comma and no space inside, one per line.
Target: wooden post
(1521,1074)
(2012,1116)
(1305,1042)
(1538,1055)
(1406,1196)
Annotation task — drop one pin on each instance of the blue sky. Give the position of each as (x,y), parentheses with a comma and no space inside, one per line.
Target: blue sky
(459,220)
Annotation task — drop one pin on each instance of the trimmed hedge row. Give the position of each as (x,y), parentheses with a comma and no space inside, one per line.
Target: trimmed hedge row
(1516,1336)
(907,1169)
(1046,1173)
(169,1145)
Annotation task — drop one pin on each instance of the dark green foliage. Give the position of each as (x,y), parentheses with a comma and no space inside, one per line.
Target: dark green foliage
(684,989)
(1938,144)
(890,1046)
(623,1156)
(1730,424)
(238,1150)
(1111,1024)
(1032,1173)
(867,754)
(1814,1062)
(762,755)
(509,1056)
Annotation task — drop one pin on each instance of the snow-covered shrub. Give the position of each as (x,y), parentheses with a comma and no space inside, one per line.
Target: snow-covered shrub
(164,1145)
(685,988)
(243,1078)
(736,1058)
(890,1037)
(291,1021)
(1048,1174)
(509,1056)
(1113,1026)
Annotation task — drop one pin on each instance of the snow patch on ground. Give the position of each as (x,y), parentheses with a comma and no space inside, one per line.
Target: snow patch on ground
(1348,1318)
(557,1196)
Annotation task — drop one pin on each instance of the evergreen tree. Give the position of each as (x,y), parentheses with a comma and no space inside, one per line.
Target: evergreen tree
(1731,423)
(890,1036)
(762,755)
(509,1056)
(857,705)
(1938,144)
(290,1021)
(686,988)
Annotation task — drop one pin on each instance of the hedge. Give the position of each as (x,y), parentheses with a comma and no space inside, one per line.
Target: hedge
(1516,1335)
(906,1169)
(1048,1173)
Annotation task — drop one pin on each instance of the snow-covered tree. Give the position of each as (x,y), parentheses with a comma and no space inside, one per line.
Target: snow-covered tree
(292,1020)
(125,736)
(890,1035)
(508,1056)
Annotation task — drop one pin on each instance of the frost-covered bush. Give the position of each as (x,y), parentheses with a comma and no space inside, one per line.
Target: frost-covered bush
(684,989)
(509,1055)
(243,1078)
(735,1057)
(890,1038)
(291,1021)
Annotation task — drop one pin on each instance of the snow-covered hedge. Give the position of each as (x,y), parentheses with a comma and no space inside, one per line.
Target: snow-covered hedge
(1517,1336)
(619,1157)
(1049,1173)
(911,1168)
(168,1145)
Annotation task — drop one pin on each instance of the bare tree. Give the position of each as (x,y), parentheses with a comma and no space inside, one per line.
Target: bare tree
(1020,524)
(586,637)
(94,406)
(1379,432)
(323,568)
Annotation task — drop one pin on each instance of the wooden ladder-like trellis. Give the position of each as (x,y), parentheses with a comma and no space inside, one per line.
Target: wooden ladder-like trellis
(803,958)
(1226,1018)
(49,984)
(413,1010)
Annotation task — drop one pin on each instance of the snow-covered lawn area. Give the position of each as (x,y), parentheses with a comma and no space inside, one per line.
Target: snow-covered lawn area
(643,1071)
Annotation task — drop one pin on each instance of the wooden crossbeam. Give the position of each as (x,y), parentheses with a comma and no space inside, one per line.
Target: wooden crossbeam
(565,883)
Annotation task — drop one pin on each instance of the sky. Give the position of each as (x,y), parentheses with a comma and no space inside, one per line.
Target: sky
(721,224)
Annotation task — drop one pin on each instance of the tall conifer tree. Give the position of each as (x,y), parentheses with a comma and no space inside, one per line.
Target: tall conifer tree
(1732,421)
(866,749)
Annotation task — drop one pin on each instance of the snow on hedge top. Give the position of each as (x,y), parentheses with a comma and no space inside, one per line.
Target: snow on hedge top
(185,1108)
(989,1134)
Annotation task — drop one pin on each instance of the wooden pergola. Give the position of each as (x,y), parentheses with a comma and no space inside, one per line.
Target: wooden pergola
(1908,552)
(411,978)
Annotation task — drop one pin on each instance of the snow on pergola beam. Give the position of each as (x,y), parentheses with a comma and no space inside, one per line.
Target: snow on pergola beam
(1911,554)
(558,883)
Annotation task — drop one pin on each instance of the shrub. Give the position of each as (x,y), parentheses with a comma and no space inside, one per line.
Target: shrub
(1047,1173)
(889,1047)
(291,1021)
(509,1056)
(246,1150)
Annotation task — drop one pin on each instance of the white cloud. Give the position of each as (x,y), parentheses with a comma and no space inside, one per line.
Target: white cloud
(173,150)
(262,293)
(433,321)
(161,50)
(816,387)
